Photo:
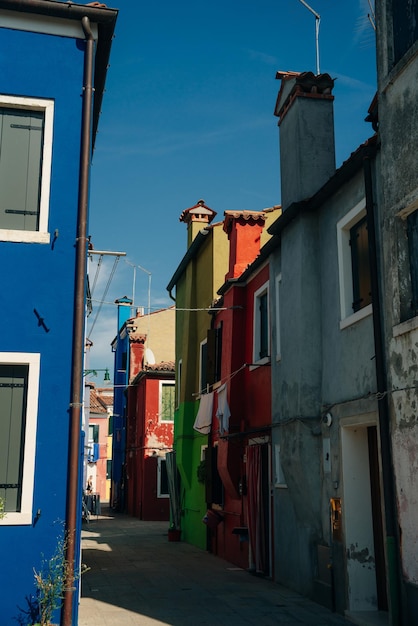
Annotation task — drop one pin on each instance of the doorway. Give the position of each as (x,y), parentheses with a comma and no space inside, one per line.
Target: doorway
(362,514)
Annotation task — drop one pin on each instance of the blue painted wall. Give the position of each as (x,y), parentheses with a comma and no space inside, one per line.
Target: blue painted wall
(121,379)
(42,276)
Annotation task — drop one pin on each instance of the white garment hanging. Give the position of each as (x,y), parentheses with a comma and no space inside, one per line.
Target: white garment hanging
(223,413)
(203,419)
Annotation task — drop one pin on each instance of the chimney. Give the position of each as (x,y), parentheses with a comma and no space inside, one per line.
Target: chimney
(124,310)
(196,218)
(305,110)
(136,354)
(244,233)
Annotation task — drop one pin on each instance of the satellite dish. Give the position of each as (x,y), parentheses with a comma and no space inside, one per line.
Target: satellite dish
(149,356)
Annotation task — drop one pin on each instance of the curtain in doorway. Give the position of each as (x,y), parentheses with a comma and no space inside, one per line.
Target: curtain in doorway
(257,514)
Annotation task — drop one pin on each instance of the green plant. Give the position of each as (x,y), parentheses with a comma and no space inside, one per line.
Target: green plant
(50,581)
(2,511)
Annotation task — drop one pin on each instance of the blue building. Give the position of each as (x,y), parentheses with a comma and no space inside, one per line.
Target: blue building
(53,64)
(120,348)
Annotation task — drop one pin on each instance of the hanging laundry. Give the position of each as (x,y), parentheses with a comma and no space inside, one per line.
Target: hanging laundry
(203,419)
(223,413)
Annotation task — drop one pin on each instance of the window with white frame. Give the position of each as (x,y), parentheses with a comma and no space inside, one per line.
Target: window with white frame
(354,267)
(261,335)
(277,312)
(167,399)
(26,126)
(279,478)
(203,369)
(178,382)
(19,388)
(162,480)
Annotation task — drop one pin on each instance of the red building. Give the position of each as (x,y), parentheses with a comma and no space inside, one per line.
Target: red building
(100,409)
(149,436)
(239,465)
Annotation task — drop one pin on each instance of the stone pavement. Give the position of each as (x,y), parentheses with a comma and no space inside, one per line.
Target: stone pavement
(138,577)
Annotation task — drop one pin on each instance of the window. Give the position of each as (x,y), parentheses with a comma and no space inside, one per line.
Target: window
(405,26)
(179,372)
(109,469)
(167,394)
(162,481)
(214,352)
(353,265)
(278,330)
(25,168)
(93,433)
(279,478)
(412,232)
(261,325)
(203,378)
(19,382)
(360,267)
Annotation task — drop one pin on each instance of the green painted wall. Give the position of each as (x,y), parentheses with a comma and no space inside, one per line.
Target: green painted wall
(195,289)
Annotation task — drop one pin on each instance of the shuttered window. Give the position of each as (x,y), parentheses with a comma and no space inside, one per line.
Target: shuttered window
(360,265)
(21,143)
(13,402)
(167,400)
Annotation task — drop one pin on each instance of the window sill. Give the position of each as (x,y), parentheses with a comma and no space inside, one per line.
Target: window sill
(16,519)
(256,364)
(356,317)
(405,327)
(24,236)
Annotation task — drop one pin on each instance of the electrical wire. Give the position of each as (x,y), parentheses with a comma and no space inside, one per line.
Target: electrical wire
(115,263)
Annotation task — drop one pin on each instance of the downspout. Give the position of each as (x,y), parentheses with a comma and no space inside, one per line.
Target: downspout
(392,540)
(79,322)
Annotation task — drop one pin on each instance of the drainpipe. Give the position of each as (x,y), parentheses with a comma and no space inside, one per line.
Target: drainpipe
(79,322)
(392,540)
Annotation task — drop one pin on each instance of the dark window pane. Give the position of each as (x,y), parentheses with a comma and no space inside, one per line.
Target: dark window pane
(203,366)
(359,242)
(163,478)
(405,26)
(412,229)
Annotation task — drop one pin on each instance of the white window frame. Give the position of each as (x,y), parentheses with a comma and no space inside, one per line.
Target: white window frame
(344,267)
(279,478)
(264,289)
(277,313)
(202,343)
(162,383)
(159,494)
(47,108)
(178,382)
(25,515)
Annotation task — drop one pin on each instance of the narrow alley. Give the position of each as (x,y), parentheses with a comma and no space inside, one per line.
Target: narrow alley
(138,577)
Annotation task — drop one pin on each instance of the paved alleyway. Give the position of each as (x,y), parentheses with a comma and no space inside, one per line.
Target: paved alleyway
(138,577)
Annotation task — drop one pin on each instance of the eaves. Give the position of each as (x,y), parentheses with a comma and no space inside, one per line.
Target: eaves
(104,18)
(343,174)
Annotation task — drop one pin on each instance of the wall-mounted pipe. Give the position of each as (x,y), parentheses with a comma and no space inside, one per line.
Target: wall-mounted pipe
(390,512)
(79,325)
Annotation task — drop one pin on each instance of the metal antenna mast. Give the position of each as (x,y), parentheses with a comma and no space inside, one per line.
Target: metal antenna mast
(317,22)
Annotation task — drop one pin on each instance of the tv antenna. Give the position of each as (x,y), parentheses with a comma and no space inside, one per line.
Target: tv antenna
(317,22)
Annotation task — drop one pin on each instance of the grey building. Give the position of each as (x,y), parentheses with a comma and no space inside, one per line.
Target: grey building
(328,541)
(396,115)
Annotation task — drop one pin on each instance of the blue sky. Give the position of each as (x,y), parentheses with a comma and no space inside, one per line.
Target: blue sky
(188,114)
